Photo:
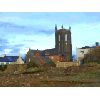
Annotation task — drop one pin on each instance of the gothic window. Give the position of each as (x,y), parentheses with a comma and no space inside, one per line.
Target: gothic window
(29,59)
(65,37)
(59,37)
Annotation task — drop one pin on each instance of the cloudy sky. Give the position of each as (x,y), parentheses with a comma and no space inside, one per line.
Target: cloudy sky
(21,31)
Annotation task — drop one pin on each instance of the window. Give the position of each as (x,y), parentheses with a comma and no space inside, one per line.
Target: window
(29,59)
(65,37)
(82,52)
(59,37)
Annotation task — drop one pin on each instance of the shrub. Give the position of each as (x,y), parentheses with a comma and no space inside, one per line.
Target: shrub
(3,67)
(32,64)
(50,64)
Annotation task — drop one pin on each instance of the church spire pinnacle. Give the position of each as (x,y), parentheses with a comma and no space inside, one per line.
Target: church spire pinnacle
(19,55)
(55,27)
(62,27)
(69,28)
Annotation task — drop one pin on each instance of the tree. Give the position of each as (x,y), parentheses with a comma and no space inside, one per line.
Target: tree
(93,55)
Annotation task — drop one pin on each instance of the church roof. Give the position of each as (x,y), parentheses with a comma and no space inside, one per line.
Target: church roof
(41,52)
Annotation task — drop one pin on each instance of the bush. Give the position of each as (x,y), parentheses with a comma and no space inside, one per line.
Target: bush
(50,64)
(32,64)
(3,67)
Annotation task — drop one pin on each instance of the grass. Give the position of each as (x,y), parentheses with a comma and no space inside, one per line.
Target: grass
(33,70)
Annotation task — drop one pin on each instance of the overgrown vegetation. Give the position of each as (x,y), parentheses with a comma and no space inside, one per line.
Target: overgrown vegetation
(32,67)
(33,70)
(93,56)
(3,67)
(53,76)
(32,64)
(50,64)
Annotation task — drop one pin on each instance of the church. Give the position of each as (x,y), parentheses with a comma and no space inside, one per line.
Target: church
(62,51)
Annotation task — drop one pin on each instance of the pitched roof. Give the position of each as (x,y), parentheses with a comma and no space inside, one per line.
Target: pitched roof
(40,51)
(8,58)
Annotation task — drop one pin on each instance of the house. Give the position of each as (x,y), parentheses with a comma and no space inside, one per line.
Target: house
(82,52)
(4,60)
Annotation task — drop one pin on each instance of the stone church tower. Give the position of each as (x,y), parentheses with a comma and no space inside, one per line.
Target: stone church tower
(63,45)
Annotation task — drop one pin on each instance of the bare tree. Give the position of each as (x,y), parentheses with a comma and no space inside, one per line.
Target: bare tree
(93,55)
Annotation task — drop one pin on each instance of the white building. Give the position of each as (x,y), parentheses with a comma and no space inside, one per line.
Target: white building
(81,52)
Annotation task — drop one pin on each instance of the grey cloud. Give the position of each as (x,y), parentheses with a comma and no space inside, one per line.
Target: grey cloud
(19,29)
(3,41)
(11,27)
(27,40)
(15,51)
(3,44)
(46,31)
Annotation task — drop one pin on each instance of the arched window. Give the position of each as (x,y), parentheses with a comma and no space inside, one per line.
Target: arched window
(65,37)
(29,59)
(59,37)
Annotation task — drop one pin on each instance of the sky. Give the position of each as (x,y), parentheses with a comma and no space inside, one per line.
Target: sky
(36,30)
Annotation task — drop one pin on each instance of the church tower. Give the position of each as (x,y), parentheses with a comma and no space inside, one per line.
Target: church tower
(63,45)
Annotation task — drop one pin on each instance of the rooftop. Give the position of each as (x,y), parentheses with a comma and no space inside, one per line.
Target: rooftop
(8,58)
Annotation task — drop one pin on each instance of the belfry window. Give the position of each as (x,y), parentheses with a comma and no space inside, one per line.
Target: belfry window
(29,59)
(59,37)
(65,37)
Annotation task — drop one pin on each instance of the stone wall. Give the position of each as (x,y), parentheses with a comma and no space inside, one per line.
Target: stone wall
(66,64)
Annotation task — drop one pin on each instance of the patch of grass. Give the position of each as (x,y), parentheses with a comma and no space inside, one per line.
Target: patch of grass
(95,74)
(45,81)
(33,70)
(85,76)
